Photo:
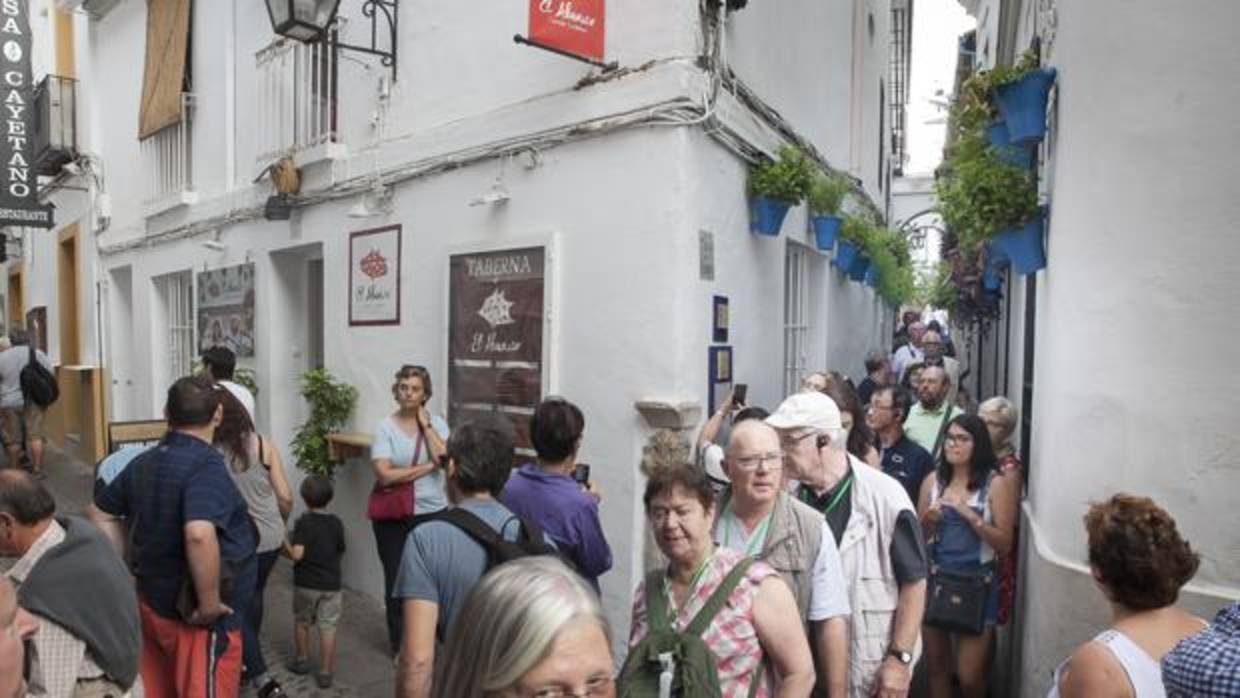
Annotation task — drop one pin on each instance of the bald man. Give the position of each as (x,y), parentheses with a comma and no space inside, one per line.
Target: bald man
(759,518)
(927,421)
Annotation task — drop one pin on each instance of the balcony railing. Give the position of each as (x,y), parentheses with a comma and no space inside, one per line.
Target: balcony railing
(55,132)
(168,158)
(296,98)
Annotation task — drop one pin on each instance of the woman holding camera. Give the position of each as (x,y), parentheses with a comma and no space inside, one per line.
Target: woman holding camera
(408,481)
(557,494)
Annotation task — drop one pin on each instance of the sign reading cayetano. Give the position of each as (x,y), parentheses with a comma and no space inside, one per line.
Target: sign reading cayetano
(19,183)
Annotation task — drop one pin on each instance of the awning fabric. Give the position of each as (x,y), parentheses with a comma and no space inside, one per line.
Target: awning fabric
(167,42)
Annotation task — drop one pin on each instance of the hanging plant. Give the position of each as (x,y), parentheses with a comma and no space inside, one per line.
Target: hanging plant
(775,186)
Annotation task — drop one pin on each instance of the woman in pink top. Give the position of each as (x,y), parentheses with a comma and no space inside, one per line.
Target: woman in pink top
(750,634)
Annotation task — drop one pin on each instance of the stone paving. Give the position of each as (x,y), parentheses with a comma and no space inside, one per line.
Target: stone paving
(364,667)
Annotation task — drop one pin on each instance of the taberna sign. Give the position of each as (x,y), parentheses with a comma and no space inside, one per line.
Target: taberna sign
(19,183)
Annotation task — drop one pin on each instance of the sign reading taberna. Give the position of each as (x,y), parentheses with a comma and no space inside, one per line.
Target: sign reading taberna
(572,26)
(19,183)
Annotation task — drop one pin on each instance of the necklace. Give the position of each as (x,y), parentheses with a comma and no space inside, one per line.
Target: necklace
(672,611)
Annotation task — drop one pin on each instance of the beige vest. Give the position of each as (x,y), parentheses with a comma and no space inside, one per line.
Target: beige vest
(877,500)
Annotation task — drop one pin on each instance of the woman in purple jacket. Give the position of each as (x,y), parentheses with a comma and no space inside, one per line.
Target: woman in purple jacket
(546,492)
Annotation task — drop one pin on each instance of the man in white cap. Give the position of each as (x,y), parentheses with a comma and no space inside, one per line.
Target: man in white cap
(880,543)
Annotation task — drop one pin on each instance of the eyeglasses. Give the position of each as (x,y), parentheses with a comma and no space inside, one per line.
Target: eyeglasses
(774,460)
(958,438)
(597,686)
(790,442)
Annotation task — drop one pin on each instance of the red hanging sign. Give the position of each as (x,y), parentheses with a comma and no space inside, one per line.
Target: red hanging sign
(572,26)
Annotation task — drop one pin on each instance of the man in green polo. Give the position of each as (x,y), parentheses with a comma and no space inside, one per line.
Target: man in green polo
(927,420)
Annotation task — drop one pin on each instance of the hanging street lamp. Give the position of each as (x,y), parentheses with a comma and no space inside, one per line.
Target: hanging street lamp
(310,21)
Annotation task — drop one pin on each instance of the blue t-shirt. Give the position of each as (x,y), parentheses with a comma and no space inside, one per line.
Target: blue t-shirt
(908,463)
(182,479)
(441,563)
(392,443)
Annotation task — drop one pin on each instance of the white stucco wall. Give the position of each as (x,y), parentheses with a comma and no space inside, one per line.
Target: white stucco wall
(1134,332)
(629,316)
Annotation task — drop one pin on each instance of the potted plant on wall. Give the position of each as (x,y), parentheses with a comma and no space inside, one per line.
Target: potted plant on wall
(826,196)
(775,186)
(852,233)
(331,402)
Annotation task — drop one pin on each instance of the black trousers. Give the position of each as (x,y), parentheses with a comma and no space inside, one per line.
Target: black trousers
(390,541)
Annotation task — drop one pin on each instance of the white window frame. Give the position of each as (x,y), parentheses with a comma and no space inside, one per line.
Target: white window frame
(796,315)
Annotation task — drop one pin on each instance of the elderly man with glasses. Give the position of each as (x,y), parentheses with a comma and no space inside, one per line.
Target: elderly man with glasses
(872,519)
(759,518)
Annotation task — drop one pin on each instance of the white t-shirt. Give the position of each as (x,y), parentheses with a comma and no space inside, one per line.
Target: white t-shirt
(244,396)
(712,461)
(828,596)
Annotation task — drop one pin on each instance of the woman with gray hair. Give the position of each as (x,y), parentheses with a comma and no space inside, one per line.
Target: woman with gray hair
(531,627)
(999,414)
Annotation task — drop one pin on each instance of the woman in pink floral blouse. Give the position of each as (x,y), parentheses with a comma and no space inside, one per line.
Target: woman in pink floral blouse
(750,635)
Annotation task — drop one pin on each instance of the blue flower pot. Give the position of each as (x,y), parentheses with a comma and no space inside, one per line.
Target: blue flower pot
(1015,154)
(991,281)
(825,230)
(859,267)
(845,255)
(871,276)
(1022,104)
(766,215)
(1024,245)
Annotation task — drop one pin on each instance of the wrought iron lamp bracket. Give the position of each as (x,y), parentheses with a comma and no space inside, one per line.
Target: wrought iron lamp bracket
(372,9)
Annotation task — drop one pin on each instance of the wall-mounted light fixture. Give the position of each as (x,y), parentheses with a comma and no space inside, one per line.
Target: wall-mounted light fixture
(309,21)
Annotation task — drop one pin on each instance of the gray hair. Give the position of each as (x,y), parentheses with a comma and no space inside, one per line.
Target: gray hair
(509,623)
(18,335)
(1002,408)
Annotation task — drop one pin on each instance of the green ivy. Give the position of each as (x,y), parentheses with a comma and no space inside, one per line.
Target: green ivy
(892,260)
(331,403)
(856,228)
(826,194)
(979,195)
(787,178)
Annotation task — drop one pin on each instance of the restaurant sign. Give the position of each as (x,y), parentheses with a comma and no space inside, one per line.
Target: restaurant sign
(495,345)
(19,183)
(572,26)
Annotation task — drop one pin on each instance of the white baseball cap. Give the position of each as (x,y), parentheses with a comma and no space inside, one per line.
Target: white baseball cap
(807,411)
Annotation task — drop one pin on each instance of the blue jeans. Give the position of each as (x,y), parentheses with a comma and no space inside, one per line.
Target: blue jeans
(252,620)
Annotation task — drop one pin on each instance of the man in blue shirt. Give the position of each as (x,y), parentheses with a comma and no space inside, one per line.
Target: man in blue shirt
(901,457)
(192,549)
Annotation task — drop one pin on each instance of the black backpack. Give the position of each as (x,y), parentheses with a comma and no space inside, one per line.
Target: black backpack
(38,384)
(529,540)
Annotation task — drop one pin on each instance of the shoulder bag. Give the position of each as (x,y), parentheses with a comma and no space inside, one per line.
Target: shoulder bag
(956,599)
(394,502)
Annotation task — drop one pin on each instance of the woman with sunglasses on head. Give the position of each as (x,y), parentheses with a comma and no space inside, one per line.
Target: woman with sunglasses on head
(408,481)
(969,516)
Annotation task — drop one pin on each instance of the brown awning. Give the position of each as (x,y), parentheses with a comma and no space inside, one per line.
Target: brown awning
(167,40)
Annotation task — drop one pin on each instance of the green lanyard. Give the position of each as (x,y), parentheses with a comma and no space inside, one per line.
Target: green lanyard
(672,611)
(807,495)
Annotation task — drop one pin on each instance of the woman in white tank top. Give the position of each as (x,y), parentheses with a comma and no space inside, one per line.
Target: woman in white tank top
(1139,561)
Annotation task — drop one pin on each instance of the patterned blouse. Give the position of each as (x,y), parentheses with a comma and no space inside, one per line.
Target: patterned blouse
(731,637)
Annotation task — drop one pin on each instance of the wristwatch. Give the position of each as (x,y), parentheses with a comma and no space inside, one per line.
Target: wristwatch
(904,656)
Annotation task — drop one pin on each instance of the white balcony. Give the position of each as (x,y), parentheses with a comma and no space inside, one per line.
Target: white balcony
(168,160)
(296,103)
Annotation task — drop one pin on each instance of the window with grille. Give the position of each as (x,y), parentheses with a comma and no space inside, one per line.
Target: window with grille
(176,295)
(796,316)
(296,99)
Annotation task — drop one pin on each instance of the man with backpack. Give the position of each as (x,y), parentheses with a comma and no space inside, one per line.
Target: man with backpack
(27,388)
(449,551)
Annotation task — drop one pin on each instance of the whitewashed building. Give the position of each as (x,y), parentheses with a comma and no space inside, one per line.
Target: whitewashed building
(1119,352)
(624,191)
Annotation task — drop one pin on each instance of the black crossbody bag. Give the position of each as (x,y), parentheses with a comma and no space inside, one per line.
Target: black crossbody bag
(956,600)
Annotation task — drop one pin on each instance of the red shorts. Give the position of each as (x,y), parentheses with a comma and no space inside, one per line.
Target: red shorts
(185,661)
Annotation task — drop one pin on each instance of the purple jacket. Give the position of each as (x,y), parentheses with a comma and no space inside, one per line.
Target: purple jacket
(566,514)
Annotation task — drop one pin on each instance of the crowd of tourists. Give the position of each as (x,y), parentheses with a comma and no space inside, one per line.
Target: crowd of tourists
(829,546)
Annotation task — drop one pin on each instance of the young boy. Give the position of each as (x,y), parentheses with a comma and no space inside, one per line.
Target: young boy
(316,548)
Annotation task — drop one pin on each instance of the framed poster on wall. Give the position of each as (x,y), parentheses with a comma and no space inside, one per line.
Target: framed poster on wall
(226,309)
(374,276)
(495,337)
(719,375)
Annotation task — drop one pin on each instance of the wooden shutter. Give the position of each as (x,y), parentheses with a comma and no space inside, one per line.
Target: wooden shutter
(167,41)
